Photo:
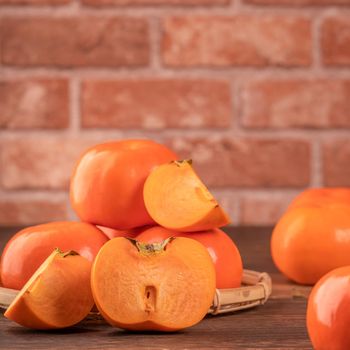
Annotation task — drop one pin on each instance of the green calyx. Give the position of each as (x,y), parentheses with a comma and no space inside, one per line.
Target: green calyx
(151,248)
(65,254)
(183,162)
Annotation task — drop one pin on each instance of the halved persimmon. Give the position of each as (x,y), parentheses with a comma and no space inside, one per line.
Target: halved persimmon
(176,198)
(166,286)
(58,295)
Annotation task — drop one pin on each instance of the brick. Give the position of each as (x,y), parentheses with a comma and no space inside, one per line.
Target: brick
(23,211)
(335,41)
(75,41)
(247,162)
(34,2)
(156,104)
(155,2)
(336,162)
(34,103)
(263,209)
(236,40)
(229,202)
(298,2)
(296,103)
(40,163)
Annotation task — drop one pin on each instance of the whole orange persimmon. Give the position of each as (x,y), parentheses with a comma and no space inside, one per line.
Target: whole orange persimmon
(223,251)
(315,197)
(29,248)
(114,233)
(313,236)
(328,311)
(107,183)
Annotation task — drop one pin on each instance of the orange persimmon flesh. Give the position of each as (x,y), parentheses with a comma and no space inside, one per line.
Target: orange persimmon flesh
(58,295)
(162,286)
(176,198)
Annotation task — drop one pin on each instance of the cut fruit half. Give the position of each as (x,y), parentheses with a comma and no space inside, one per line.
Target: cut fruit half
(176,198)
(164,286)
(58,295)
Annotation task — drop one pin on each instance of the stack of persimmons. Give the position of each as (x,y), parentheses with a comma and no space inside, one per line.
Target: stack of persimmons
(148,251)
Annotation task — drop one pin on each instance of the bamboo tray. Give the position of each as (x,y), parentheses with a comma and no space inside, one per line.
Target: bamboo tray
(256,289)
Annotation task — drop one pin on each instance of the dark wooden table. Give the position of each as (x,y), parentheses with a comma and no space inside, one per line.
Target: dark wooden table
(279,324)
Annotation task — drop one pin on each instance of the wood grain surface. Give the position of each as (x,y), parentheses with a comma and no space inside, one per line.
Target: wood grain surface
(279,324)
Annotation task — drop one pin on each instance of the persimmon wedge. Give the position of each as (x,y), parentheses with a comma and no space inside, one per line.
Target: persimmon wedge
(163,286)
(58,295)
(176,198)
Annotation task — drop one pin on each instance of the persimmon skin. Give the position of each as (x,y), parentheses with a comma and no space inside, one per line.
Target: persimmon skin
(310,241)
(223,251)
(58,295)
(29,248)
(149,288)
(328,316)
(107,182)
(316,197)
(113,233)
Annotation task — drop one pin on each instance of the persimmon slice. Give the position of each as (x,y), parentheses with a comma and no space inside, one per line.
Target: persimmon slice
(176,198)
(58,295)
(161,286)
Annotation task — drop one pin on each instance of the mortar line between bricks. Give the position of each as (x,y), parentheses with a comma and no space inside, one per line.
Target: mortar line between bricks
(316,164)
(34,193)
(155,44)
(316,45)
(78,4)
(237,5)
(292,9)
(161,134)
(70,212)
(246,73)
(237,210)
(235,105)
(74,106)
(1,167)
(258,192)
(71,10)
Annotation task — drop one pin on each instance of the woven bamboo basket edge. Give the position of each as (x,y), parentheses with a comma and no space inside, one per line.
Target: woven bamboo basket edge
(255,290)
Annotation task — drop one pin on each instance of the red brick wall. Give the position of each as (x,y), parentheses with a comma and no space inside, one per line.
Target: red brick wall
(256,91)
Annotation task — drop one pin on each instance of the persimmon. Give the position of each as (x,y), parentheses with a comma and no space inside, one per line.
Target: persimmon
(177,199)
(28,248)
(312,239)
(319,196)
(166,286)
(107,183)
(223,251)
(58,295)
(113,233)
(328,316)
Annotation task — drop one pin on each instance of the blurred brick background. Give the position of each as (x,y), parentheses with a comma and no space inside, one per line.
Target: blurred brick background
(256,91)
